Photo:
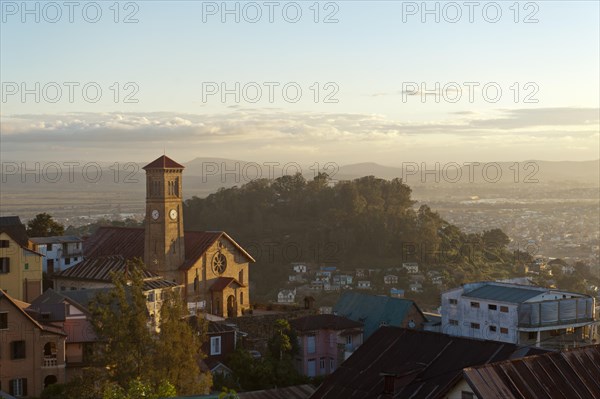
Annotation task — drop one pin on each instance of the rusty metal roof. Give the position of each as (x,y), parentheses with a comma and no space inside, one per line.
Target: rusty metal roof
(222,282)
(163,162)
(425,364)
(102,269)
(569,374)
(129,242)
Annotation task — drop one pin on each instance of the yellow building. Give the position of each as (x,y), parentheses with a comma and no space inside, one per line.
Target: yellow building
(20,264)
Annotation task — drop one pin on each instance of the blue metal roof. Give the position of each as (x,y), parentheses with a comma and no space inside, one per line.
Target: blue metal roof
(503,293)
(373,310)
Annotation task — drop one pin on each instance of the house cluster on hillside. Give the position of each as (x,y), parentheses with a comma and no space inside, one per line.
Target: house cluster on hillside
(394,281)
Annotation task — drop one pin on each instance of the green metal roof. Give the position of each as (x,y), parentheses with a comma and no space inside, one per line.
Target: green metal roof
(503,293)
(373,310)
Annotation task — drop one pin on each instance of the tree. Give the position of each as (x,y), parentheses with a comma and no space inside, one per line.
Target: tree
(179,348)
(120,321)
(42,225)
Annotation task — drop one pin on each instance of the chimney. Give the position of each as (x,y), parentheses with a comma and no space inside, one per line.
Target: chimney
(389,382)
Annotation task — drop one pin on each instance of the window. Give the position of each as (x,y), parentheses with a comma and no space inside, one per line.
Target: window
(504,330)
(453,322)
(215,345)
(504,309)
(322,363)
(151,296)
(492,307)
(17,350)
(349,339)
(532,335)
(475,305)
(311,344)
(4,243)
(476,326)
(18,387)
(467,395)
(452,301)
(331,365)
(311,368)
(4,321)
(241,277)
(492,328)
(4,265)
(67,261)
(241,298)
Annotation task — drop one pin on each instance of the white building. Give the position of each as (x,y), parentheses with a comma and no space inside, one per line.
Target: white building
(518,314)
(60,252)
(286,296)
(299,267)
(411,267)
(390,279)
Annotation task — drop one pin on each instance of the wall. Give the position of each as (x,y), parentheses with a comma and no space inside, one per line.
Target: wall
(24,282)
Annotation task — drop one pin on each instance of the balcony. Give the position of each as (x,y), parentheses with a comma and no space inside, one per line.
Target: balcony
(562,312)
(50,361)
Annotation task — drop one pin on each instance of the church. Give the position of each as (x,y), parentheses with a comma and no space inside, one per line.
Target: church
(210,266)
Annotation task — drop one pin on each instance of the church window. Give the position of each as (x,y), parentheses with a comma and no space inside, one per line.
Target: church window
(241,277)
(241,298)
(196,283)
(219,263)
(176,188)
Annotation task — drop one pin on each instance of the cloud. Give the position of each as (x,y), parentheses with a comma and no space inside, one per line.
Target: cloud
(274,131)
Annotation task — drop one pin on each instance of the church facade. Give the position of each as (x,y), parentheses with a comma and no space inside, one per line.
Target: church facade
(212,268)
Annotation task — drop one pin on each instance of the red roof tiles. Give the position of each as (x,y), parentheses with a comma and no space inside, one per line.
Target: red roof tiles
(163,162)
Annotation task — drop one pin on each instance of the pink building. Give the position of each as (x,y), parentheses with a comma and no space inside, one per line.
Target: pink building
(325,341)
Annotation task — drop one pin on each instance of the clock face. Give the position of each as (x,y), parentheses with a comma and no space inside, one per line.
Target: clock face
(173,214)
(155,214)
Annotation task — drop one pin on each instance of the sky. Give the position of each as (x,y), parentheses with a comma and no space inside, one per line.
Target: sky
(305,81)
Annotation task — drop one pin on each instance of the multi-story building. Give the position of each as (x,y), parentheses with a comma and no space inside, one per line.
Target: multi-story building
(60,252)
(20,263)
(519,314)
(325,342)
(74,319)
(32,353)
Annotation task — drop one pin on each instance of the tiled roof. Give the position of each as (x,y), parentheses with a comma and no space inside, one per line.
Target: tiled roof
(423,364)
(570,374)
(373,310)
(324,322)
(163,162)
(504,293)
(128,242)
(222,282)
(102,269)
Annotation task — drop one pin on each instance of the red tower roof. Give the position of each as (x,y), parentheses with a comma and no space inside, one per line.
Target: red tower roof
(163,162)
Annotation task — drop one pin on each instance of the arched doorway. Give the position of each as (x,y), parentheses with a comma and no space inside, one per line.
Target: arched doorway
(231,311)
(49,380)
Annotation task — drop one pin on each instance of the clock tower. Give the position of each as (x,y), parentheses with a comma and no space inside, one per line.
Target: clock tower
(164,250)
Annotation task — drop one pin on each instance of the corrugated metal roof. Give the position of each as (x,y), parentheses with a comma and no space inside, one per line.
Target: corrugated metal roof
(504,293)
(102,269)
(129,242)
(425,364)
(569,374)
(294,392)
(55,239)
(373,310)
